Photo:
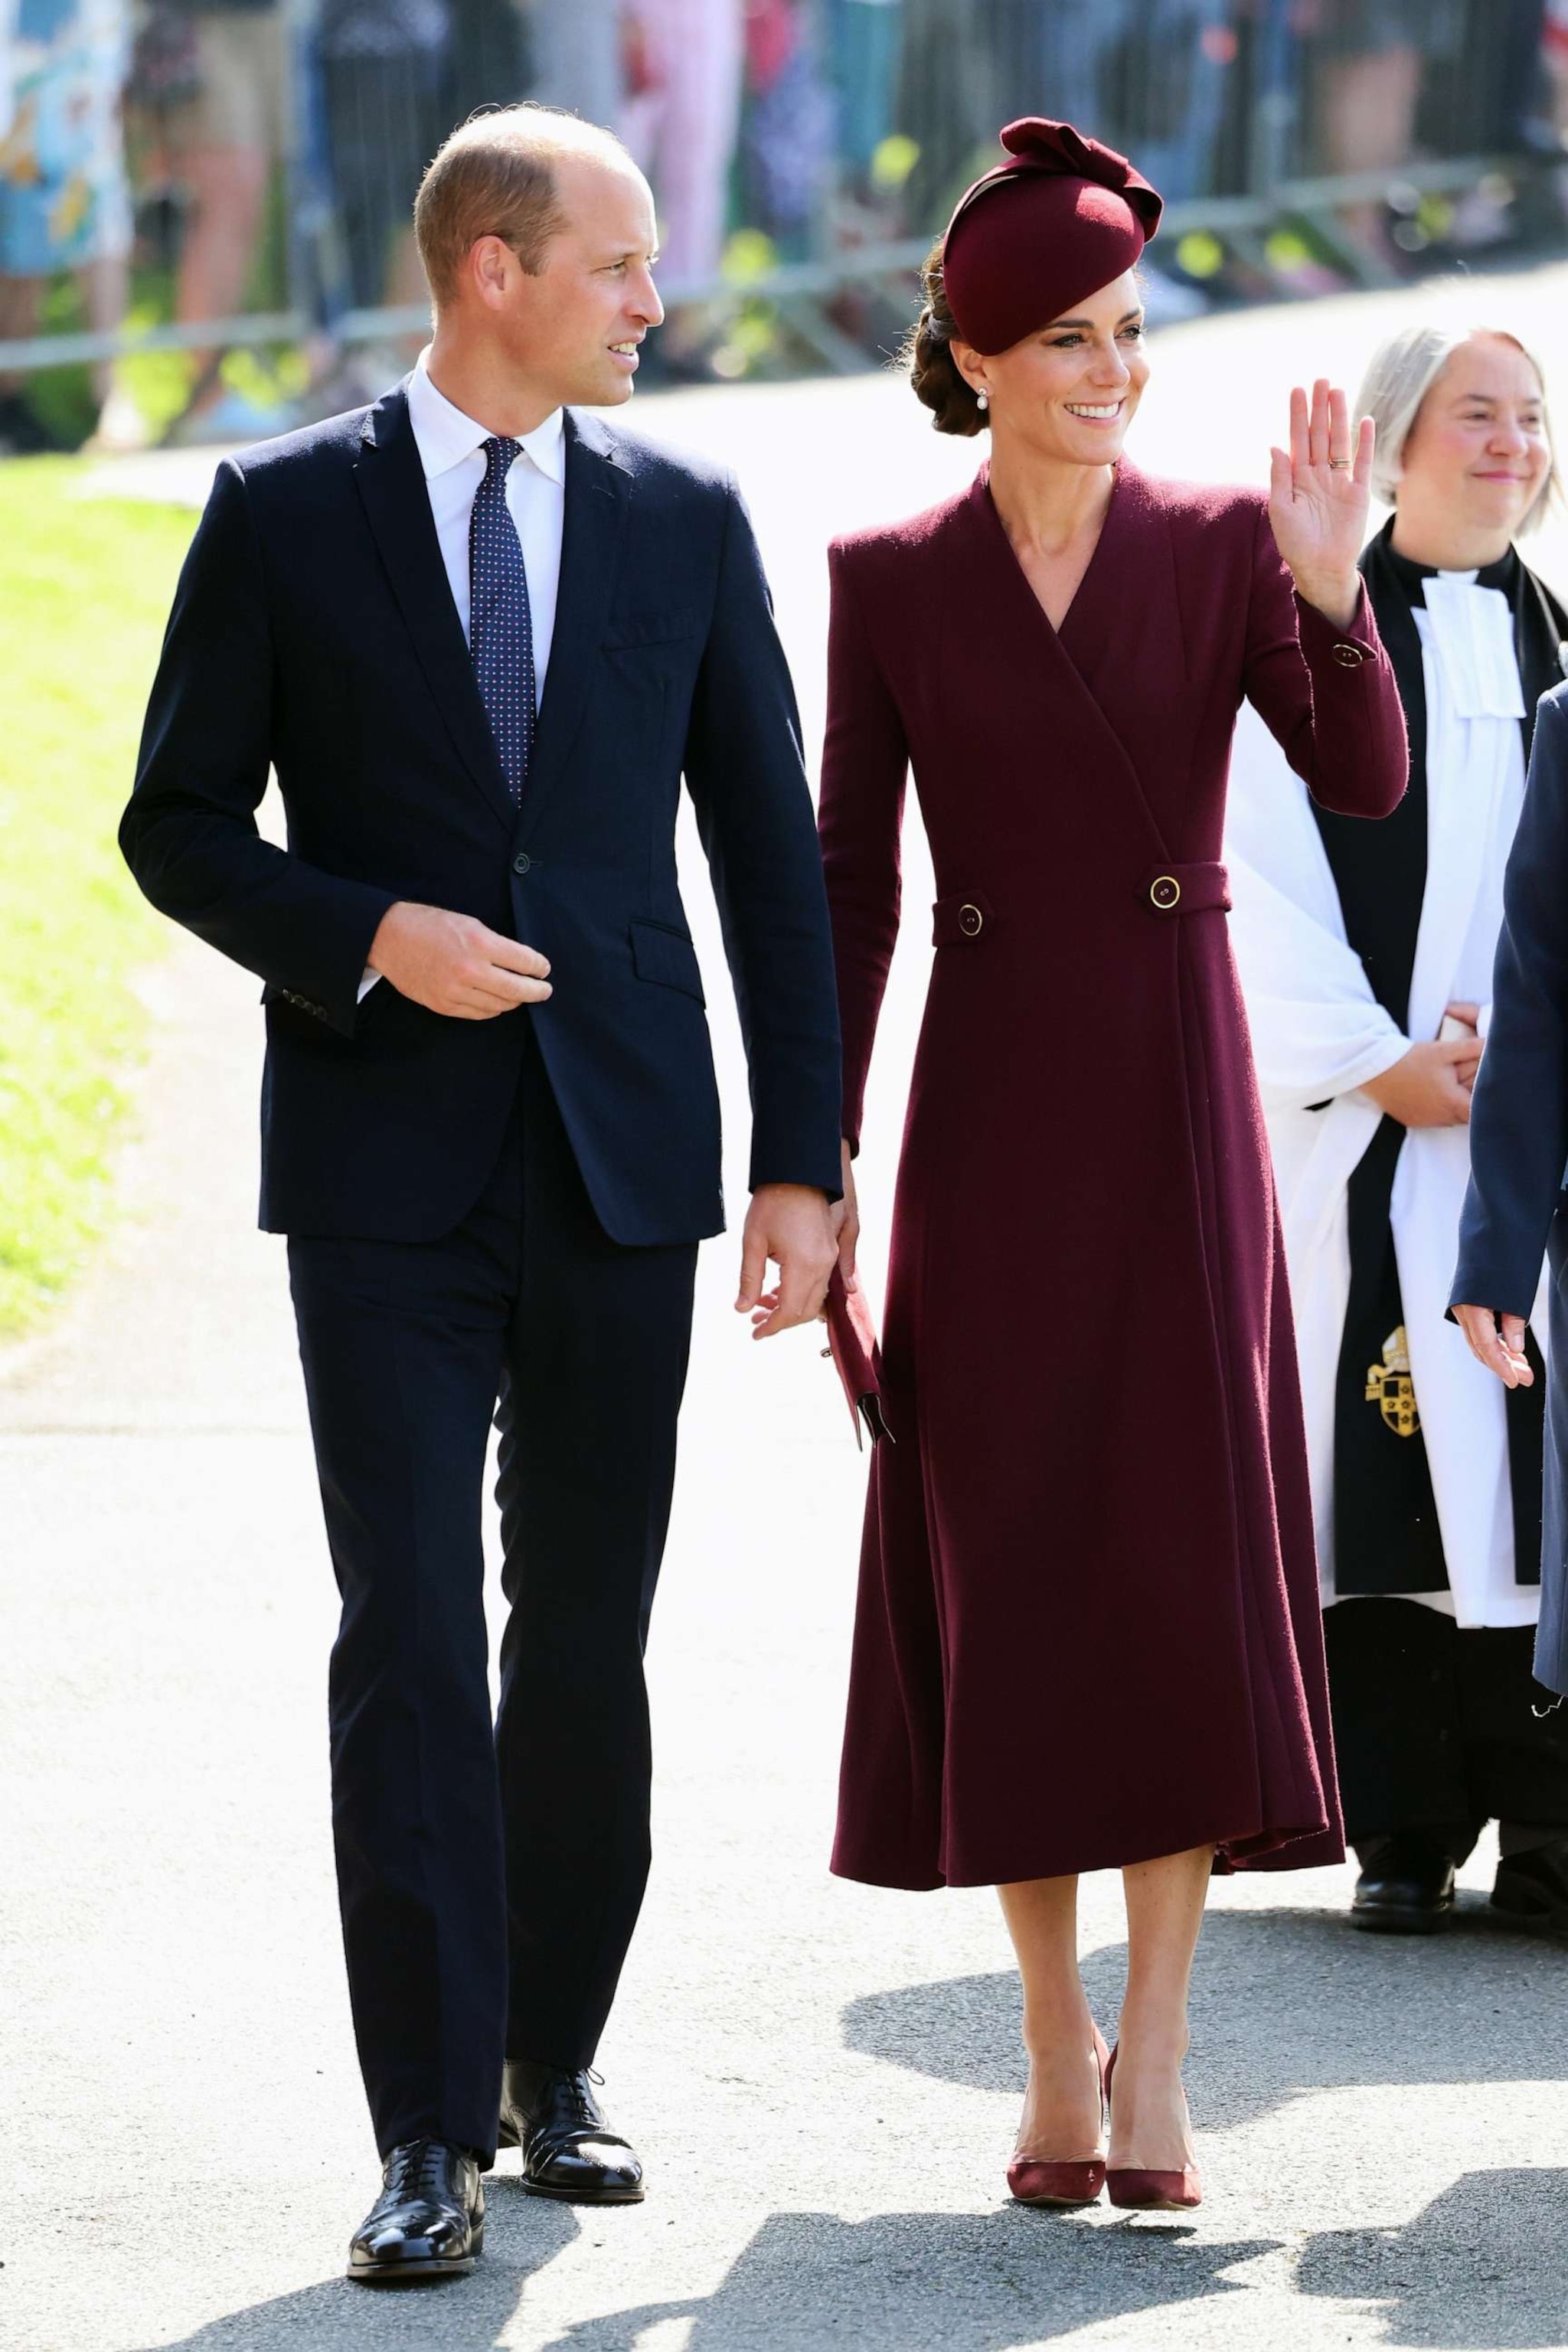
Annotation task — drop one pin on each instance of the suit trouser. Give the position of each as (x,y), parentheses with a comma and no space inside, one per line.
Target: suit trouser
(489,1879)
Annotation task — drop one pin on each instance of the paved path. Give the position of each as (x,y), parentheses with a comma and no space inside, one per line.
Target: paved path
(823,2078)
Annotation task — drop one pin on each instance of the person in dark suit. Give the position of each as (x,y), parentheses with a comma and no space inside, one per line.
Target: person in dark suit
(1516,1209)
(480,634)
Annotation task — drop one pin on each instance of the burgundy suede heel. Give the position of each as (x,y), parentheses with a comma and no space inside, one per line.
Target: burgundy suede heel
(1151,2192)
(1033,2180)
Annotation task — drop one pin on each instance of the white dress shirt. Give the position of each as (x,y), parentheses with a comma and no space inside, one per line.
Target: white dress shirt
(451,451)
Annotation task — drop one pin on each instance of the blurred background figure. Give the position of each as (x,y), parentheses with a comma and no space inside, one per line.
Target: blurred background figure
(64,204)
(679,116)
(1371,58)
(273,146)
(385,69)
(1366,954)
(223,126)
(863,52)
(786,125)
(577,56)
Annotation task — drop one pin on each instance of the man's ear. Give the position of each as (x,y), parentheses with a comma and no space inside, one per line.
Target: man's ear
(488,265)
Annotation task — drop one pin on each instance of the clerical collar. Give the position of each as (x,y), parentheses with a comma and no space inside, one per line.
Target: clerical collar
(1412,578)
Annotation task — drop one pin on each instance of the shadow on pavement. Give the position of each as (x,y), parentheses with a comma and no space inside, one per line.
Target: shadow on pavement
(521,2235)
(1284,2003)
(1485,2265)
(983,2281)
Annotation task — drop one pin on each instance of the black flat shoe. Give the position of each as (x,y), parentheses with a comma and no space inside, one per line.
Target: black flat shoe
(428,2221)
(568,2150)
(1531,1889)
(1406,1888)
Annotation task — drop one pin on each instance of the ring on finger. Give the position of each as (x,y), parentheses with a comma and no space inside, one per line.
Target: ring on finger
(1339,464)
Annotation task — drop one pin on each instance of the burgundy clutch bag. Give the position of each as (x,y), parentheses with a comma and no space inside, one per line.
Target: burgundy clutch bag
(852,1344)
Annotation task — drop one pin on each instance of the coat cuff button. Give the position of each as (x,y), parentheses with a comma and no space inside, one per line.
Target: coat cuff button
(1349,657)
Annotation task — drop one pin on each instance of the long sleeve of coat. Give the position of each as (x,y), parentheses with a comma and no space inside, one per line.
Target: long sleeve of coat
(865,766)
(1519,1118)
(1328,696)
(189,835)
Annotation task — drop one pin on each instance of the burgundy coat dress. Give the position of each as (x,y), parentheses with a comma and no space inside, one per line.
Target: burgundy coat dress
(1087,1631)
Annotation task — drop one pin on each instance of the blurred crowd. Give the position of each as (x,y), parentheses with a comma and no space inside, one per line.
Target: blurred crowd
(201,160)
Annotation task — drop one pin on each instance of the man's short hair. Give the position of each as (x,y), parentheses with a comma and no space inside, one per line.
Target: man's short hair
(495,176)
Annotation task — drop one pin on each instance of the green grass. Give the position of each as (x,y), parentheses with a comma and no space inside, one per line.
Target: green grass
(85,587)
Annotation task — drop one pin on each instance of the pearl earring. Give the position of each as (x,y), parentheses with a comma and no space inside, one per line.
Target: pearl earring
(982,399)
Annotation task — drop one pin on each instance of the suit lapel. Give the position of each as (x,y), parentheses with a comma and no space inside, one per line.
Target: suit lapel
(392,484)
(598,494)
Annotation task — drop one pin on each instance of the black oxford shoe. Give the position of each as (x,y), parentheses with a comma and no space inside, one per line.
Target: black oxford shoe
(1405,1887)
(428,2221)
(568,2150)
(1531,1889)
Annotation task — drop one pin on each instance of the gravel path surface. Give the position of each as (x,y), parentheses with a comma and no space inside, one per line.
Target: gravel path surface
(822,2079)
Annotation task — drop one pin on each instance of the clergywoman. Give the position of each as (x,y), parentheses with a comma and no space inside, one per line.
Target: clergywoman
(1087,1634)
(1366,957)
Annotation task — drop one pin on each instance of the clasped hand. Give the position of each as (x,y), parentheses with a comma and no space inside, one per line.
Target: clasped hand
(455,964)
(1430,1085)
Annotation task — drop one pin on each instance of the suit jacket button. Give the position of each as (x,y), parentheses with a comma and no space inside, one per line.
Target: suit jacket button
(521,862)
(1349,657)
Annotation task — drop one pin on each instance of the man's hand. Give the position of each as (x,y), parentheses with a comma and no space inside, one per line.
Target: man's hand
(1430,1085)
(1504,1354)
(455,964)
(789,1223)
(846,1216)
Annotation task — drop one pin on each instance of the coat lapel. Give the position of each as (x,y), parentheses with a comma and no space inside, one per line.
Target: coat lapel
(599,496)
(392,484)
(988,596)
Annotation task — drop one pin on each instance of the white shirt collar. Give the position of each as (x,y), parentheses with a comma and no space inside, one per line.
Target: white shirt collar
(444,435)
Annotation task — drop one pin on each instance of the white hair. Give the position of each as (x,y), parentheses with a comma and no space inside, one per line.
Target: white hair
(1401,374)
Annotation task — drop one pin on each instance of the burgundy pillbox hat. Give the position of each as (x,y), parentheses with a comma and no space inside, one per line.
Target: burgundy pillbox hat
(1059,219)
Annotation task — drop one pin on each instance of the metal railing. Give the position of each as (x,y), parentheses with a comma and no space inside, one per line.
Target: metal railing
(243,172)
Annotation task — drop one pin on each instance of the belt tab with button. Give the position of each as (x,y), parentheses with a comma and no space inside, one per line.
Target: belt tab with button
(963,916)
(1199,889)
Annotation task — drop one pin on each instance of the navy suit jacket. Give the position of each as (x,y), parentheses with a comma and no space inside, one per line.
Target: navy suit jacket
(1519,1118)
(313,631)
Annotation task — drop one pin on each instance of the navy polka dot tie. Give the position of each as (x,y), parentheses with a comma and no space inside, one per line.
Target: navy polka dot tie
(500,629)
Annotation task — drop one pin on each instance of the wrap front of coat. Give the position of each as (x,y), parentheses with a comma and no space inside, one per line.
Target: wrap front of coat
(1088,1630)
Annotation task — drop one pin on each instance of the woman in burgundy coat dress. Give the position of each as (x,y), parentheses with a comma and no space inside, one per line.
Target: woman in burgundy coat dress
(1088,1634)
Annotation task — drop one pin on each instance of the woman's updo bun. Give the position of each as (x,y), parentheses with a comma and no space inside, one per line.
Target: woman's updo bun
(928,356)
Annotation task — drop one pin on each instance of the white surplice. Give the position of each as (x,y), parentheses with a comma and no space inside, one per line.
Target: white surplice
(1319,1035)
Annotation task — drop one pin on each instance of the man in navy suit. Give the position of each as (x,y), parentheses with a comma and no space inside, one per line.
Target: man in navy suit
(481,636)
(1516,1209)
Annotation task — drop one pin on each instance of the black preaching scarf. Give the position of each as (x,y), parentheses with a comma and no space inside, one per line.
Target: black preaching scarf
(1386,1537)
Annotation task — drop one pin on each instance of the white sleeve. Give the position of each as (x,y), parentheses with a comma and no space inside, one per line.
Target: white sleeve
(1317,1029)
